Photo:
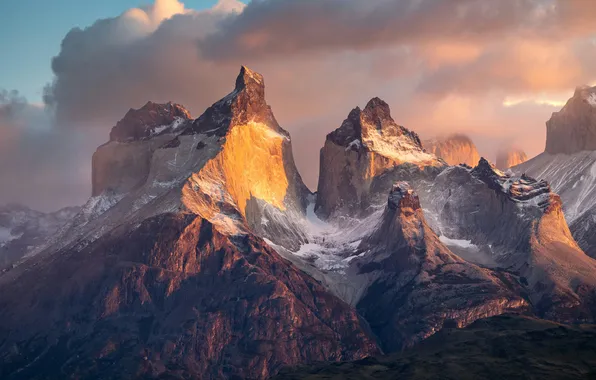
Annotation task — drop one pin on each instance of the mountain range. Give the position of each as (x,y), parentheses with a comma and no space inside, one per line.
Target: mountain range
(202,254)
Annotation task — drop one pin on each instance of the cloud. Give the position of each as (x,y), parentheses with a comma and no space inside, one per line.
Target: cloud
(39,164)
(482,67)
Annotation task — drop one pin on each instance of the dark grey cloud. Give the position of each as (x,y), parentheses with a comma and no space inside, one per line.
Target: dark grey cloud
(273,27)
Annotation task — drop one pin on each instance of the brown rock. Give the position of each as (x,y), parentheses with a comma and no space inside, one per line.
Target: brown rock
(171,297)
(573,129)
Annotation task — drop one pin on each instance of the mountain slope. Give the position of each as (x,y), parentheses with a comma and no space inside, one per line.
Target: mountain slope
(171,296)
(416,283)
(162,274)
(569,163)
(518,223)
(24,232)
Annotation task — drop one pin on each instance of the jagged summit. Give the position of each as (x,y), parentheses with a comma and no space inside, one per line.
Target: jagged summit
(455,149)
(524,189)
(374,129)
(367,144)
(152,118)
(246,104)
(248,78)
(573,128)
(377,113)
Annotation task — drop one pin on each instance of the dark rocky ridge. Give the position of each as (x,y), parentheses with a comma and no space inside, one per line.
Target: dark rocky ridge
(171,297)
(520,222)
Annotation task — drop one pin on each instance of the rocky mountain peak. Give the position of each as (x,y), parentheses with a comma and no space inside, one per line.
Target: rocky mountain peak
(403,197)
(374,128)
(509,157)
(488,173)
(148,120)
(377,113)
(248,79)
(368,143)
(573,128)
(455,149)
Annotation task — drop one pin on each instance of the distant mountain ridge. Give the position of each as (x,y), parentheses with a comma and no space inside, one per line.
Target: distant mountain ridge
(454,149)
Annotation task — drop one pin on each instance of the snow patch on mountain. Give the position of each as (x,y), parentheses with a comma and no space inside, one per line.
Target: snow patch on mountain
(333,244)
(396,147)
(572,176)
(456,242)
(592,99)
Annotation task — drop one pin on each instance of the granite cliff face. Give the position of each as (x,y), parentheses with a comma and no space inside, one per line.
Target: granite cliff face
(123,164)
(517,223)
(573,129)
(569,163)
(510,157)
(366,145)
(454,149)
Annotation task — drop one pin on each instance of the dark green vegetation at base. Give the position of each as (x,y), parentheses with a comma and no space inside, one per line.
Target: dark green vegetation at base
(503,347)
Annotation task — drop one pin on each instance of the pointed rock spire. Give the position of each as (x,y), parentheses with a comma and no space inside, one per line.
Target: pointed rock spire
(250,81)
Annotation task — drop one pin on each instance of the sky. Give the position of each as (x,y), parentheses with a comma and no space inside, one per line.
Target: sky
(33,38)
(494,70)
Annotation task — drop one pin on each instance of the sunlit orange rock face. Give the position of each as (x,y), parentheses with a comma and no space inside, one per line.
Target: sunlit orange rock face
(367,144)
(454,149)
(254,161)
(508,158)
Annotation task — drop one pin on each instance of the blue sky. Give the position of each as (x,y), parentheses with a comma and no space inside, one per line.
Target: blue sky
(31,32)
